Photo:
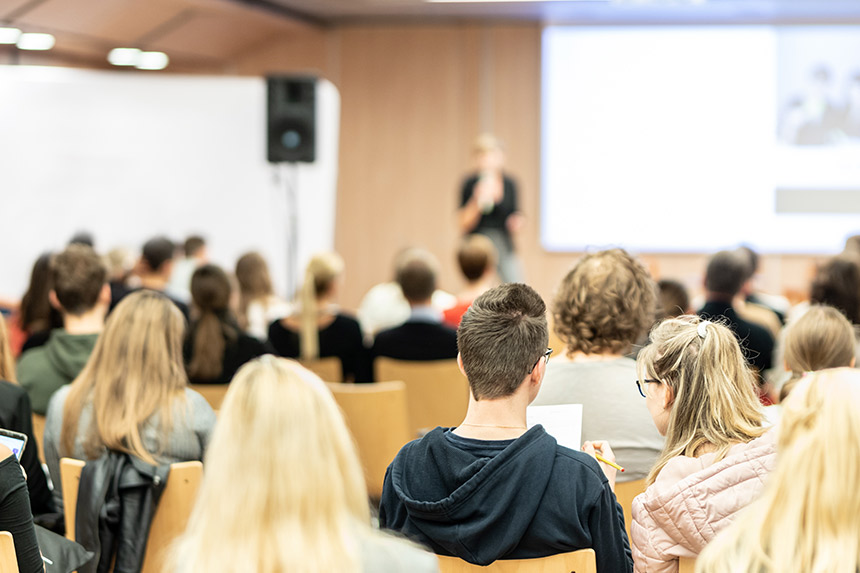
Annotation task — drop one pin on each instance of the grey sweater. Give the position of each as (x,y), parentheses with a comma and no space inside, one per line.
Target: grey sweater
(193,422)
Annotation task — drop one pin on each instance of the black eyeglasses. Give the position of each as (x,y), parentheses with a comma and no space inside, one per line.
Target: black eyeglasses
(639,385)
(545,355)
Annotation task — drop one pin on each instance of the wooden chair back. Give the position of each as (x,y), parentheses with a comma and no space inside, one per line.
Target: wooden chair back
(437,393)
(686,565)
(170,517)
(39,435)
(214,393)
(8,559)
(582,561)
(376,416)
(329,369)
(624,493)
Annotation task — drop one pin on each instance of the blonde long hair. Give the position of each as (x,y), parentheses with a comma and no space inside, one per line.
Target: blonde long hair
(283,488)
(821,338)
(808,518)
(321,272)
(715,401)
(7,360)
(134,372)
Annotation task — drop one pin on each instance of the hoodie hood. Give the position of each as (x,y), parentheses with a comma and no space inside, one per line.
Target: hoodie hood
(484,508)
(68,353)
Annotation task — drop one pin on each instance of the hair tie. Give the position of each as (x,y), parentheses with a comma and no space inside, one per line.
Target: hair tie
(702,329)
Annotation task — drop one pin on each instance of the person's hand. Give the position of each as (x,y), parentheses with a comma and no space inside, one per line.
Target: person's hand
(514,223)
(602,447)
(488,192)
(6,453)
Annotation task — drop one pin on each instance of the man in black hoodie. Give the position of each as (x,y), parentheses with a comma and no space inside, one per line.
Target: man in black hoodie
(491,488)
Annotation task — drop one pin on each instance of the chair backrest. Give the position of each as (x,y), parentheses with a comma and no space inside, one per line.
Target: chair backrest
(39,435)
(582,561)
(329,369)
(214,393)
(8,559)
(376,416)
(437,393)
(686,565)
(170,517)
(625,492)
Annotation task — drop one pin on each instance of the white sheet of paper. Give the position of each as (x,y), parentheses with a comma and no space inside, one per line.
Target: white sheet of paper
(562,421)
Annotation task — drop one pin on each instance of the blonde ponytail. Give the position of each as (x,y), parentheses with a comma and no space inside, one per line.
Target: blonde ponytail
(321,272)
(715,401)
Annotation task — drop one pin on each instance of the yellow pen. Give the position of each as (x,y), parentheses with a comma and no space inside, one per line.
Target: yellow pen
(607,462)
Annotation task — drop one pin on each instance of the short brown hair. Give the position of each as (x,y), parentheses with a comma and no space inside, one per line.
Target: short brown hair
(837,284)
(604,304)
(78,277)
(193,244)
(727,272)
(501,337)
(158,251)
(475,255)
(674,300)
(416,275)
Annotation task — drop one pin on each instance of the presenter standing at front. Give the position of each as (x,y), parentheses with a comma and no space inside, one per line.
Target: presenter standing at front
(488,205)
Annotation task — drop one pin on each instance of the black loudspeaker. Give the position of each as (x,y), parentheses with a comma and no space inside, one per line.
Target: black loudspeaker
(291,119)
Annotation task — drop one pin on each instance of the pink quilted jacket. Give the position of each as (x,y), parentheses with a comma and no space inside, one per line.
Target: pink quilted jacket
(693,499)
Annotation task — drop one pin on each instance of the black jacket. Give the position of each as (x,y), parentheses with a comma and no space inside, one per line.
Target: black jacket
(507,499)
(117,498)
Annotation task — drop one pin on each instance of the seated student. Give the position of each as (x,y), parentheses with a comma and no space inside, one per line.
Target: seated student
(422,336)
(132,396)
(837,284)
(259,306)
(673,300)
(36,318)
(120,266)
(318,329)
(820,338)
(196,255)
(702,397)
(15,515)
(808,517)
(16,415)
(604,305)
(491,489)
(283,488)
(81,293)
(725,275)
(477,259)
(154,270)
(384,305)
(214,346)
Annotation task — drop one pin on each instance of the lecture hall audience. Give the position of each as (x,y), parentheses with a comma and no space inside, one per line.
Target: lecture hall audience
(491,488)
(283,488)
(702,396)
(602,306)
(132,396)
(215,347)
(81,293)
(808,517)
(317,328)
(154,269)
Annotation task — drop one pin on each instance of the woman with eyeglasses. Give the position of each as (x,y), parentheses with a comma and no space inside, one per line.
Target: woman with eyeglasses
(702,397)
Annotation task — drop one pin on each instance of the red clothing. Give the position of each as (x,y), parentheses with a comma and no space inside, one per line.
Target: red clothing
(454,315)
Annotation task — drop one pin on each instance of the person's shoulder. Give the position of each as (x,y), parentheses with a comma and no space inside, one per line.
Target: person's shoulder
(382,552)
(346,321)
(32,365)
(10,392)
(197,404)
(573,462)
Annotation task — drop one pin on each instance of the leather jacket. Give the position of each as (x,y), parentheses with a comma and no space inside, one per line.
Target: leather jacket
(117,498)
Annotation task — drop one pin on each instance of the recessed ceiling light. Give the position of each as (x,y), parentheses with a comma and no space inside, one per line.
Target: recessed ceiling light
(9,35)
(152,61)
(32,41)
(124,56)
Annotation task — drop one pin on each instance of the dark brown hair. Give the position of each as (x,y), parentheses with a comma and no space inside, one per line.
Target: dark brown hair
(727,271)
(210,294)
(78,275)
(35,310)
(500,338)
(674,300)
(837,284)
(193,244)
(417,276)
(157,251)
(252,274)
(475,255)
(604,304)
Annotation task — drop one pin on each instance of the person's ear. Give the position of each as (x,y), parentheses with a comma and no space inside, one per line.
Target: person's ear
(668,396)
(55,302)
(104,294)
(460,364)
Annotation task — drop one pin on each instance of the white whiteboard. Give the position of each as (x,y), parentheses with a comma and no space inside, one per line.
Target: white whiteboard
(127,156)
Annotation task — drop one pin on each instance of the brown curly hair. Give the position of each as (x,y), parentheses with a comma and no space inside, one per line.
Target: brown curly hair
(604,304)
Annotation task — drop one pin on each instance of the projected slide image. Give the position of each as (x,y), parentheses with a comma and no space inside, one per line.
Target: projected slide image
(686,139)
